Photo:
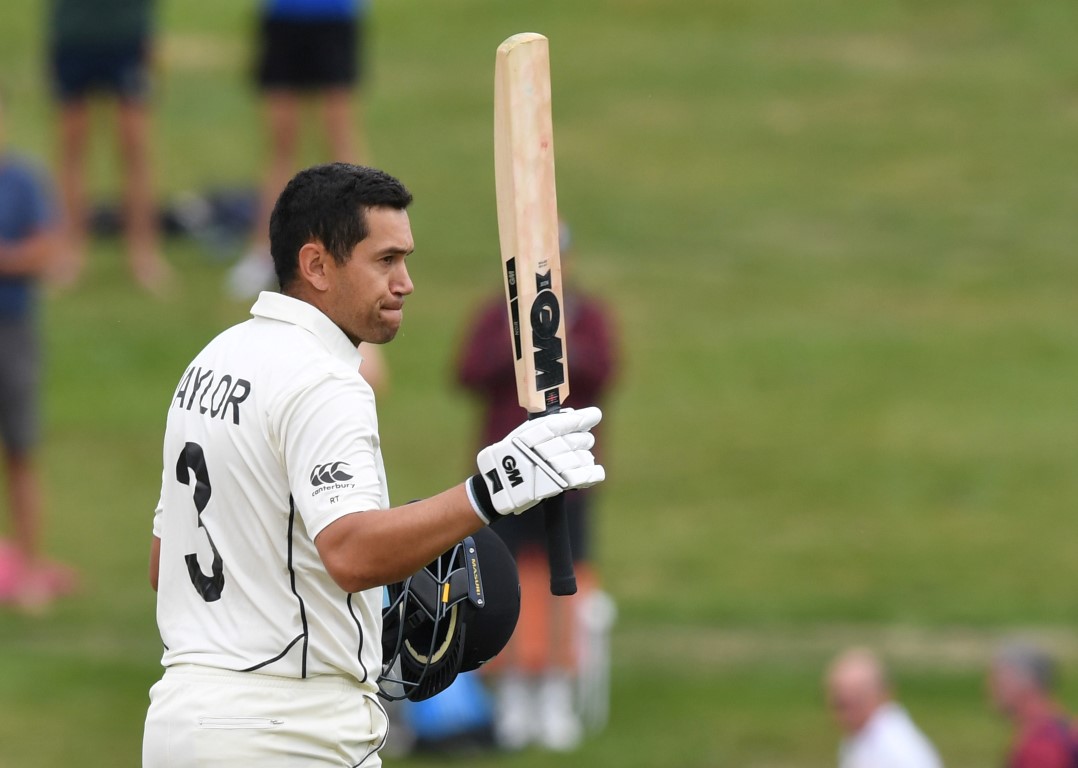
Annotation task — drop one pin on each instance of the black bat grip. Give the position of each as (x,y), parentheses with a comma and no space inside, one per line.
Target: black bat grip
(558,547)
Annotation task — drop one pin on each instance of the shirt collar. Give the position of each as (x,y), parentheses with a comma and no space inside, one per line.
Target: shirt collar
(277,306)
(885,713)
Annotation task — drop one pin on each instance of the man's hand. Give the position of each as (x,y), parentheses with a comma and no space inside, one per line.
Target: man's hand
(540,458)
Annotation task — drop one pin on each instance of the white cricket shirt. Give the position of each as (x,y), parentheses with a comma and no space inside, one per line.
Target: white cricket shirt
(889,740)
(271,436)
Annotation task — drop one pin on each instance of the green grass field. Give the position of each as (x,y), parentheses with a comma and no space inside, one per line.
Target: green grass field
(839,238)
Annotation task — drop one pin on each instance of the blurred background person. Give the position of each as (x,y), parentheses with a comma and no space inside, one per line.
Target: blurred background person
(28,244)
(536,674)
(306,48)
(1021,685)
(105,47)
(878,732)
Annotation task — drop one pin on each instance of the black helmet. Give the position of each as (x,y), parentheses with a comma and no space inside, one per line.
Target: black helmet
(452,616)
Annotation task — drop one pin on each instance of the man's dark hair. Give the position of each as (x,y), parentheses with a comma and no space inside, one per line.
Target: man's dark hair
(328,203)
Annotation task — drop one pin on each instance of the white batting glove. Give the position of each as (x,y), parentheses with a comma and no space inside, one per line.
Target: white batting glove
(539,459)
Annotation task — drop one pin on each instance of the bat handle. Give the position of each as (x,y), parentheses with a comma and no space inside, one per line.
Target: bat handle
(558,546)
(559,549)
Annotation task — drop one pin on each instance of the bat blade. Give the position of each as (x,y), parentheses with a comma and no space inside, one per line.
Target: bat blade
(528,234)
(528,219)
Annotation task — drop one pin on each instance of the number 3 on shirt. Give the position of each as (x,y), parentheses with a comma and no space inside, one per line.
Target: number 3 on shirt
(192,459)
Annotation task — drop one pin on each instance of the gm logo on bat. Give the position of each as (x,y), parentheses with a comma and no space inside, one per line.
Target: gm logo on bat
(546,321)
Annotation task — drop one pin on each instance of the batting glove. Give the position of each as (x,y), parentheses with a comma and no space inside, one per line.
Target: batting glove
(540,458)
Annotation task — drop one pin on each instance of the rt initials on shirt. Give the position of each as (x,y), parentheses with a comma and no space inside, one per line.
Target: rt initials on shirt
(213,393)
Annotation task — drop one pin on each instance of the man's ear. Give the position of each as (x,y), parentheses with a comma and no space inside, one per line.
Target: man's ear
(313,265)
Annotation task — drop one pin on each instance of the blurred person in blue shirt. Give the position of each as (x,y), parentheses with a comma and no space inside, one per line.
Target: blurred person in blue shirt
(27,249)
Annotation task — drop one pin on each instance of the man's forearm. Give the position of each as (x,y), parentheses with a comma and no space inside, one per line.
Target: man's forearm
(376,547)
(29,257)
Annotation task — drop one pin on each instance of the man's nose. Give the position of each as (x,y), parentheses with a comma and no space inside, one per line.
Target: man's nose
(403,284)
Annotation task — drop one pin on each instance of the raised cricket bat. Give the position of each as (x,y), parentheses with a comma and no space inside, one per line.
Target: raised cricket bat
(528,232)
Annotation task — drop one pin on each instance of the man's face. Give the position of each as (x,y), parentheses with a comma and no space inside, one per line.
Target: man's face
(366,295)
(853,696)
(848,708)
(1005,687)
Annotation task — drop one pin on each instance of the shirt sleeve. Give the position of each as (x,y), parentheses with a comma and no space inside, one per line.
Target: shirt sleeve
(329,438)
(38,211)
(159,510)
(157,517)
(39,198)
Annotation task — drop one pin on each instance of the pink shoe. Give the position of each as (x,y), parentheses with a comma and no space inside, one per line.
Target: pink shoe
(33,587)
(12,570)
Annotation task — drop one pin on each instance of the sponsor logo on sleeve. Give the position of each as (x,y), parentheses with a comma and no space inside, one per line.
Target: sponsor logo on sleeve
(333,476)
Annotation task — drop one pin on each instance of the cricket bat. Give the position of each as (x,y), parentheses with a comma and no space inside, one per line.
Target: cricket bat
(528,233)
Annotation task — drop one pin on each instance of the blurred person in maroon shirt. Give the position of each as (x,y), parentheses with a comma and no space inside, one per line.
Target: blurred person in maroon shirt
(536,672)
(1021,684)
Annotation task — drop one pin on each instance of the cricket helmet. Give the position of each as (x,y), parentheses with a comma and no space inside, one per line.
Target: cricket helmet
(451,616)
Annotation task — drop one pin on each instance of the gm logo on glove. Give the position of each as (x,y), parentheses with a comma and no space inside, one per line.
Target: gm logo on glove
(509,464)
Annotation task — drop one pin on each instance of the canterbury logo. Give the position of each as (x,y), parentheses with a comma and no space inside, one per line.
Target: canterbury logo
(323,474)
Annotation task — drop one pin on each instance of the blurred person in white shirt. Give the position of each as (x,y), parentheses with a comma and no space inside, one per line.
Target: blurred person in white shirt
(877,731)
